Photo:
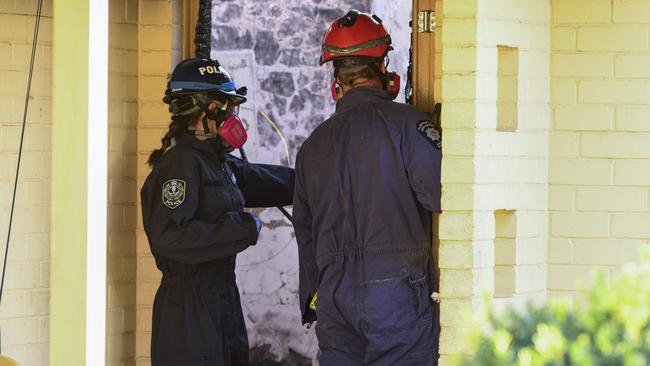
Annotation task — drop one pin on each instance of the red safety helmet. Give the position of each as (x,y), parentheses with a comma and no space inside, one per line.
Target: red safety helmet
(356,34)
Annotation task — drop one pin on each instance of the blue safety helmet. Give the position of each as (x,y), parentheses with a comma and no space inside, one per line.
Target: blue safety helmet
(200,76)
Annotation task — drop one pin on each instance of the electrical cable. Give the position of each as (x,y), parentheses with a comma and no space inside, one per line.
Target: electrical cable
(20,148)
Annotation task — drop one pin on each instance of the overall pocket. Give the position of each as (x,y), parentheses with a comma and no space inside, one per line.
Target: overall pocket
(394,304)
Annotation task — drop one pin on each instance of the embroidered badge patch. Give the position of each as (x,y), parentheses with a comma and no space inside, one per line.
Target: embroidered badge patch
(173,193)
(428,130)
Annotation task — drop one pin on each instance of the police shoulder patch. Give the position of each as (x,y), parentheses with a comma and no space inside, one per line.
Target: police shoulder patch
(428,130)
(173,193)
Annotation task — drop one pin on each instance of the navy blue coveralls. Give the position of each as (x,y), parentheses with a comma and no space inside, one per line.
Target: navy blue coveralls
(192,209)
(367,181)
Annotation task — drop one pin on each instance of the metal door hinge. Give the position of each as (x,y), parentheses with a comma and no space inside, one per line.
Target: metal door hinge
(426,21)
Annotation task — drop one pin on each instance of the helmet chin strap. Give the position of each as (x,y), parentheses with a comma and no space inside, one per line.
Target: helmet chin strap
(218,117)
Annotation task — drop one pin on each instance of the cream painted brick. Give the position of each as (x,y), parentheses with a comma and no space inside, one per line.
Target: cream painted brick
(5,49)
(513,171)
(521,144)
(39,113)
(530,278)
(152,88)
(632,172)
(150,139)
(122,139)
(456,254)
(143,345)
(130,113)
(613,38)
(147,270)
(132,10)
(16,27)
(483,254)
(631,225)
(612,199)
(22,331)
(534,90)
(633,118)
(631,11)
(463,8)
(144,316)
(155,37)
(580,171)
(147,292)
(37,302)
(563,91)
(121,244)
(614,91)
(123,87)
(45,274)
(534,117)
(157,62)
(13,83)
(456,283)
(123,36)
(154,114)
(458,142)
(458,196)
(564,144)
(157,12)
(458,87)
(563,38)
(459,31)
(633,66)
(459,59)
(124,62)
(521,11)
(534,63)
(609,252)
(37,354)
(581,65)
(570,277)
(13,304)
(560,251)
(615,145)
(457,170)
(580,224)
(532,250)
(458,114)
(584,117)
(121,294)
(452,312)
(456,225)
(581,11)
(117,10)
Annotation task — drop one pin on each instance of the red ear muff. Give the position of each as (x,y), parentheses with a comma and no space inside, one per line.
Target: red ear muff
(392,84)
(232,131)
(337,92)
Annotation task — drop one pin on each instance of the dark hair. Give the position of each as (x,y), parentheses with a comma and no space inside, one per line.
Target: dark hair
(177,127)
(347,70)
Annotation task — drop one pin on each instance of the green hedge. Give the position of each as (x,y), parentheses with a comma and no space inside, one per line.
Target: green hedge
(610,326)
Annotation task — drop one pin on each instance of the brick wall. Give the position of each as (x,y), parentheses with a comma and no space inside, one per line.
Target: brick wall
(155,53)
(122,170)
(600,140)
(24,312)
(494,178)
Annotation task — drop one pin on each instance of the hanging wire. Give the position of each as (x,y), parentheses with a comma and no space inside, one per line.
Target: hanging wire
(277,130)
(20,149)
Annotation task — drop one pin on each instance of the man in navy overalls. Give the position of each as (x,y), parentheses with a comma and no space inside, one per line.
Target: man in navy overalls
(367,183)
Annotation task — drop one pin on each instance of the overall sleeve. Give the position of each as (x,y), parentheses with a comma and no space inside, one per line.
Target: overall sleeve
(263,185)
(422,155)
(176,233)
(302,225)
